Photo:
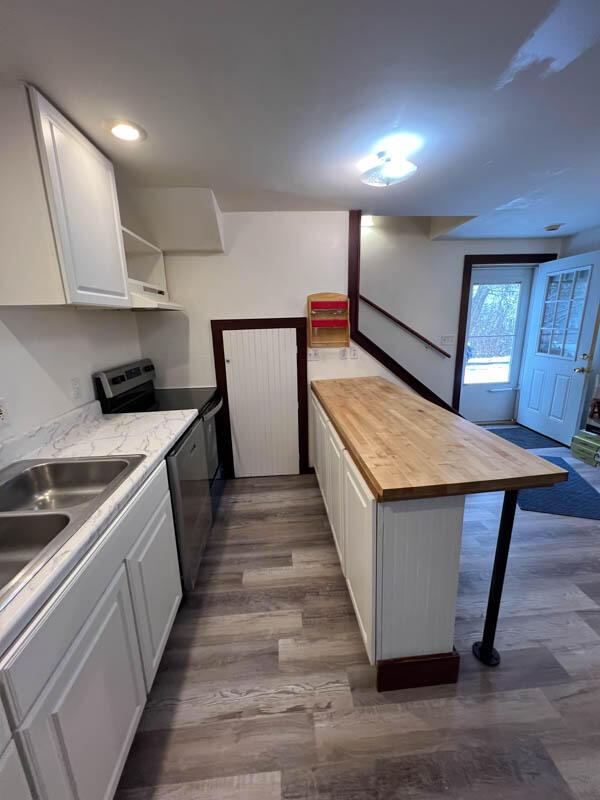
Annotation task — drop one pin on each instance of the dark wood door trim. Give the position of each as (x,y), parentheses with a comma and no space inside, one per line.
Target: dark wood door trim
(223,421)
(488,260)
(354,268)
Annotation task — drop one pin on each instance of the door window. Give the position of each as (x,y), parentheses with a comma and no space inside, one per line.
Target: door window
(492,327)
(562,313)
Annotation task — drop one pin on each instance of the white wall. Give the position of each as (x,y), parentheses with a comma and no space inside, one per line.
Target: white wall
(583,242)
(419,281)
(41,349)
(273,261)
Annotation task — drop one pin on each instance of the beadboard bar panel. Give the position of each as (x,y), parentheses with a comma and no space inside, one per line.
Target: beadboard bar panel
(419,549)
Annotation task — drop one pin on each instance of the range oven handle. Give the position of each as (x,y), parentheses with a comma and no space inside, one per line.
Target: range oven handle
(213,411)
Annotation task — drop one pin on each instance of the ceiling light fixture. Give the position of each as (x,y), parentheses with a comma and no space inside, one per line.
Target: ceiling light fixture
(127,131)
(389,164)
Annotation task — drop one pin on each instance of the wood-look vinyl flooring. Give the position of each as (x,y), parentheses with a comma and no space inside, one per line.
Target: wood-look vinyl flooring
(265,692)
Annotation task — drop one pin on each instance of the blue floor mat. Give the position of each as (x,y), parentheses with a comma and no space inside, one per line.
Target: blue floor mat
(572,498)
(523,437)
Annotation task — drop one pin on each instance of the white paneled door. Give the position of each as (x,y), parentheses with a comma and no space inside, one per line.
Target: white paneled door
(262,389)
(561,337)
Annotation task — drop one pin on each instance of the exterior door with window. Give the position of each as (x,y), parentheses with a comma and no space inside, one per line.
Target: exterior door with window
(498,306)
(561,336)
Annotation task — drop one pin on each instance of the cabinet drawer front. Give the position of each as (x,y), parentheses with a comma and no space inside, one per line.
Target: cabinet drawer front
(78,734)
(13,783)
(334,435)
(30,662)
(153,570)
(4,728)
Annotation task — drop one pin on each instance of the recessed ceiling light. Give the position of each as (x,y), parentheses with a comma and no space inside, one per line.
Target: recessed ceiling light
(554,226)
(127,131)
(389,164)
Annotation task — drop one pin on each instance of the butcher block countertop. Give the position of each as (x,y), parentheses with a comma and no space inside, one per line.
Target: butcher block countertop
(407,447)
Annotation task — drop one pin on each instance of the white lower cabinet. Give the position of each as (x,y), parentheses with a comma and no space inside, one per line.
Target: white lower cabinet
(153,571)
(13,783)
(352,512)
(400,558)
(360,523)
(78,733)
(75,681)
(335,482)
(321,435)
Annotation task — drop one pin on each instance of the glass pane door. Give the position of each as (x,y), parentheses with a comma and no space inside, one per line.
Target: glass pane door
(562,313)
(491,334)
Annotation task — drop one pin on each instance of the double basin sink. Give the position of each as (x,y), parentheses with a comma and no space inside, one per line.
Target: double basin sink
(43,502)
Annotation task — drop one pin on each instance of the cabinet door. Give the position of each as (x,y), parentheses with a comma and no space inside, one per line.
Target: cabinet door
(81,190)
(13,783)
(78,733)
(335,482)
(153,571)
(312,435)
(360,536)
(322,438)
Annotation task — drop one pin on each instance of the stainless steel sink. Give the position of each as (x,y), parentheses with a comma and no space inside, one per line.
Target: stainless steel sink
(55,485)
(29,490)
(22,538)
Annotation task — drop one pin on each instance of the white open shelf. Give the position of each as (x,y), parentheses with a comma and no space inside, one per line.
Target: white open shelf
(146,274)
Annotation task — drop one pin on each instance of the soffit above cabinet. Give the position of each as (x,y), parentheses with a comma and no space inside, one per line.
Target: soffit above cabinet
(178,219)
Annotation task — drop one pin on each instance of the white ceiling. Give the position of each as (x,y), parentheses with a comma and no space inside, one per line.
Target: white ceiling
(271,102)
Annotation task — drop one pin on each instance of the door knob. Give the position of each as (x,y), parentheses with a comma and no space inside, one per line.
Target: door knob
(586,356)
(581,369)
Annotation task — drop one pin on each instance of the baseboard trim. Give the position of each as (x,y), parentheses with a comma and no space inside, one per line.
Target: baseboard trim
(415,671)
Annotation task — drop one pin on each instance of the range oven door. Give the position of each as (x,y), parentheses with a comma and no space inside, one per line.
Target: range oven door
(217,482)
(210,433)
(189,482)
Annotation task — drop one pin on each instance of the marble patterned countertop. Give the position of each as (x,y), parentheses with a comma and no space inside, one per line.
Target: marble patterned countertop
(86,432)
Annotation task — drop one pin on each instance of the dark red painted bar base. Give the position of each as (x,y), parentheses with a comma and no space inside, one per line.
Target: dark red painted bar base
(415,671)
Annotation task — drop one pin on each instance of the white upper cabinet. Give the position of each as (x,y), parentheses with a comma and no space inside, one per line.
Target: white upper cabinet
(83,202)
(59,217)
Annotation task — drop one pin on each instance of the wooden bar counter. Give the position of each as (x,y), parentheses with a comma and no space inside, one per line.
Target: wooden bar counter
(394,469)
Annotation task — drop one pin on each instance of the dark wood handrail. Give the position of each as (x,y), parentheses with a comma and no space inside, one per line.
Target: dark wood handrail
(405,327)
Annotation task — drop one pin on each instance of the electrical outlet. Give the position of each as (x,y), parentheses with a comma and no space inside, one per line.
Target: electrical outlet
(353,352)
(75,388)
(343,353)
(4,420)
(448,340)
(313,354)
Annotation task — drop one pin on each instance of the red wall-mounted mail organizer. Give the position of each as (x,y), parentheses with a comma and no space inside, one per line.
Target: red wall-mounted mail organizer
(328,320)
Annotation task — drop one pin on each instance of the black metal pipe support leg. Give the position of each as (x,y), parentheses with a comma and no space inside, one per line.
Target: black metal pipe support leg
(485,650)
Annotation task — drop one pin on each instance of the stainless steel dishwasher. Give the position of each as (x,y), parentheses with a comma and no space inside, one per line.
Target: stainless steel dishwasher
(189,481)
(195,473)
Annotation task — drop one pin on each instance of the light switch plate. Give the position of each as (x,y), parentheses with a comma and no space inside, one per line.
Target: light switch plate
(448,340)
(312,354)
(353,352)
(75,388)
